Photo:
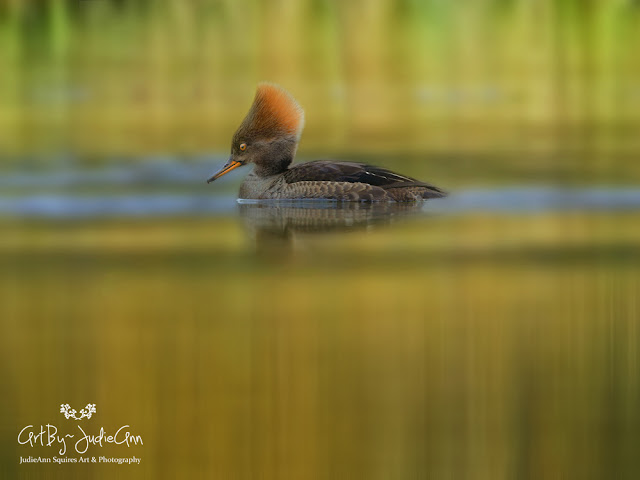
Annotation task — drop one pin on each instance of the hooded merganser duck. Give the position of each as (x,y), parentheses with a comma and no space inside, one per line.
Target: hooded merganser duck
(268,138)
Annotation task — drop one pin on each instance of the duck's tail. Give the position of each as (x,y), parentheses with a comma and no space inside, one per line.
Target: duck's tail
(414,193)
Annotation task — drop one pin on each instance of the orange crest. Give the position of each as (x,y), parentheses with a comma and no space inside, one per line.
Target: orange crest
(274,111)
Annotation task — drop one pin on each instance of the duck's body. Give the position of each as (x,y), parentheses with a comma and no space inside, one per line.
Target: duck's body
(343,181)
(268,138)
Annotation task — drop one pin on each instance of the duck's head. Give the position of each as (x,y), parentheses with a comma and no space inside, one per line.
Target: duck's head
(268,136)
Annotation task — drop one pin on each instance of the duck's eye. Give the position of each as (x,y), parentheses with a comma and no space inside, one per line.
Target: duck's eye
(243,147)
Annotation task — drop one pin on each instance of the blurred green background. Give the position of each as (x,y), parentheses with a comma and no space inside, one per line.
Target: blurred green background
(494,335)
(554,81)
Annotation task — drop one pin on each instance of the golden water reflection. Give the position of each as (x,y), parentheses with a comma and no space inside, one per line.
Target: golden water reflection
(482,346)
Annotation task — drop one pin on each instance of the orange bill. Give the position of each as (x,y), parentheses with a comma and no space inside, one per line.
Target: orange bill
(230,165)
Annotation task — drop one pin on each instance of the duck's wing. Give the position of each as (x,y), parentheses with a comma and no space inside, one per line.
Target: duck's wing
(352,172)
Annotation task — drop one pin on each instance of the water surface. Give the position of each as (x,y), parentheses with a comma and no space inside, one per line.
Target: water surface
(491,334)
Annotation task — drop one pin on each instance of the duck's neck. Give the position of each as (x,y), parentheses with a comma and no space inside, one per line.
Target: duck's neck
(278,158)
(274,166)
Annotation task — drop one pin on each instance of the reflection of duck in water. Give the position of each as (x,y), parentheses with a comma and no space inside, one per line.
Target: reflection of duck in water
(315,217)
(268,138)
(274,226)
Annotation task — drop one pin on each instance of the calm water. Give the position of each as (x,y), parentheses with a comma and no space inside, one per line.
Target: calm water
(492,334)
(166,186)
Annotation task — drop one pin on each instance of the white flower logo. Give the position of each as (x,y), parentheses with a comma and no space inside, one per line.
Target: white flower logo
(69,412)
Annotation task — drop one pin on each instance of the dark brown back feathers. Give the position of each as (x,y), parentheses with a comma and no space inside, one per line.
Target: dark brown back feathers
(351,172)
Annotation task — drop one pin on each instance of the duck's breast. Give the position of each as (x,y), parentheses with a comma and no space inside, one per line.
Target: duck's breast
(256,187)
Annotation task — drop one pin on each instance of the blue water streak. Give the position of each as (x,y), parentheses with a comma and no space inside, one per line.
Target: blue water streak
(498,200)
